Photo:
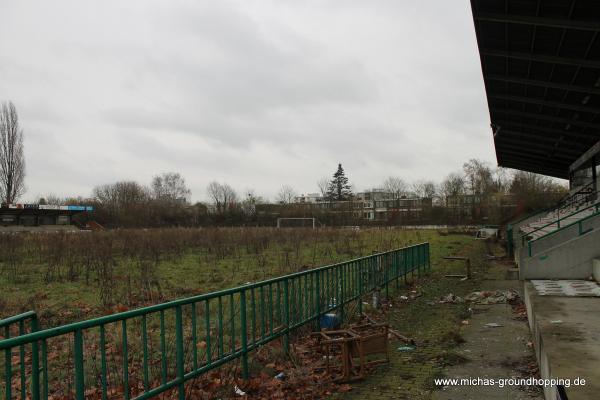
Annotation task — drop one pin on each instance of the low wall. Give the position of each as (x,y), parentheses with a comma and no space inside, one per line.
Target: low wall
(572,259)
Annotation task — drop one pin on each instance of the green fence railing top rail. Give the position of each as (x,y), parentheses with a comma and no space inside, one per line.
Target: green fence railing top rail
(15,319)
(144,352)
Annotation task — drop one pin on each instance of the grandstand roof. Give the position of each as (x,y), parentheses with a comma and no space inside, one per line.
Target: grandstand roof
(541,67)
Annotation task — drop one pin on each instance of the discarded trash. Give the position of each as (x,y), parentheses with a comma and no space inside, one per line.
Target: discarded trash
(239,391)
(330,321)
(465,322)
(493,325)
(451,298)
(403,298)
(492,297)
(406,348)
(375,301)
(280,376)
(556,321)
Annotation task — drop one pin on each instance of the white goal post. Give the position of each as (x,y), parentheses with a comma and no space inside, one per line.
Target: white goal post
(313,220)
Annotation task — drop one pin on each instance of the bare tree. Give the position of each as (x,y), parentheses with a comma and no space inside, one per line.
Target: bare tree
(453,185)
(424,189)
(12,161)
(124,203)
(286,195)
(170,186)
(479,177)
(121,195)
(323,185)
(223,196)
(396,186)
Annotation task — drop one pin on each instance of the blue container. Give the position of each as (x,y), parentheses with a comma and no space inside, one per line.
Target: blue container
(330,321)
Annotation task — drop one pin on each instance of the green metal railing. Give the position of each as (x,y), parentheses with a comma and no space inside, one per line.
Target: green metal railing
(17,326)
(559,219)
(141,353)
(579,222)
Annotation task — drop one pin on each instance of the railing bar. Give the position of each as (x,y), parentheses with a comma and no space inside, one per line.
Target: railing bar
(194,337)
(78,365)
(35,363)
(207,322)
(253,305)
(270,301)
(45,388)
(8,365)
(103,375)
(232,321)
(262,312)
(179,352)
(220,327)
(125,360)
(145,349)
(22,361)
(163,350)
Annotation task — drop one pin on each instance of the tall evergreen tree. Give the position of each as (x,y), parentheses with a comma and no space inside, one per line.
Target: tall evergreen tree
(339,189)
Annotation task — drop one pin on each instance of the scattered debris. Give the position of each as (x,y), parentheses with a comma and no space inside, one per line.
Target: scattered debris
(406,348)
(451,298)
(280,376)
(346,350)
(493,325)
(520,311)
(239,391)
(401,337)
(465,322)
(492,297)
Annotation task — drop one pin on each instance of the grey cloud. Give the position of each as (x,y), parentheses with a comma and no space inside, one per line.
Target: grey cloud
(257,94)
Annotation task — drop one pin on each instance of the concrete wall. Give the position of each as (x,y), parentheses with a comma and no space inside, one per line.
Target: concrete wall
(563,235)
(572,259)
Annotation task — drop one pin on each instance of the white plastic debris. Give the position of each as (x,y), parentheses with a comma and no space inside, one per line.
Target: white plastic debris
(239,391)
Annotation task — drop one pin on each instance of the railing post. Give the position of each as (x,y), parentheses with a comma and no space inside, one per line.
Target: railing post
(244,334)
(360,287)
(8,365)
(342,299)
(428,257)
(179,352)
(35,363)
(317,301)
(78,364)
(286,315)
(386,275)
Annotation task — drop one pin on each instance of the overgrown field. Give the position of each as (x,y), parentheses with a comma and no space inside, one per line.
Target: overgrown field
(69,277)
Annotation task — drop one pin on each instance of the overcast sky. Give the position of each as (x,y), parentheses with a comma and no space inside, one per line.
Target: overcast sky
(253,93)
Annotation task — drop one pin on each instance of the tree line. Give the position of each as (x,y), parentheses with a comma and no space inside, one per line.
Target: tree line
(165,201)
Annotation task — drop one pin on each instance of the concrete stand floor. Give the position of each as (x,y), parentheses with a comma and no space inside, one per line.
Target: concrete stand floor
(566,334)
(493,352)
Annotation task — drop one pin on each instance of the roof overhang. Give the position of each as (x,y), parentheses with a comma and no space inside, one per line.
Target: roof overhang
(541,68)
